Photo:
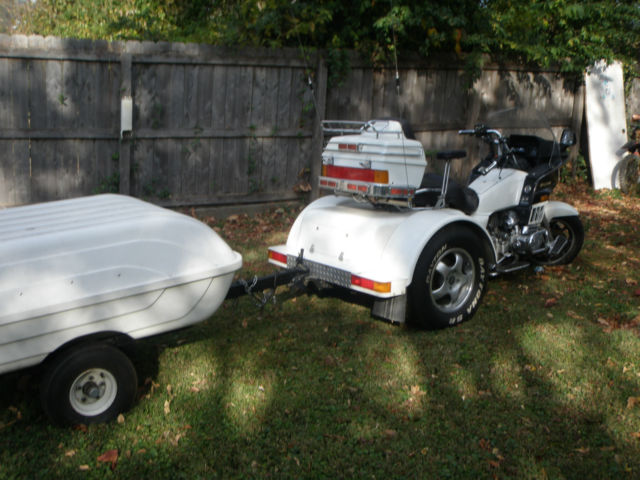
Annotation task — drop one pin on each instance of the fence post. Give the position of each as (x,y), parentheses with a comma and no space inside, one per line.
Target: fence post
(576,125)
(125,143)
(316,140)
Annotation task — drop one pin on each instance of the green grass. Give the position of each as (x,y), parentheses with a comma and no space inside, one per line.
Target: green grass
(315,388)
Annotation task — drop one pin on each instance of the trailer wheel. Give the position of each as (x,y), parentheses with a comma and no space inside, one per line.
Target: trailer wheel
(449,280)
(88,384)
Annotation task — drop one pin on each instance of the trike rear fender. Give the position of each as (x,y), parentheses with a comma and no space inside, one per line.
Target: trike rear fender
(369,242)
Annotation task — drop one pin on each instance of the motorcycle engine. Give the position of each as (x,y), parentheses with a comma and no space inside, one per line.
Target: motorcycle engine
(510,238)
(531,241)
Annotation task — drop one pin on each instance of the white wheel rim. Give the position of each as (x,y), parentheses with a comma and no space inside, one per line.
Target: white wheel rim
(451,283)
(93,392)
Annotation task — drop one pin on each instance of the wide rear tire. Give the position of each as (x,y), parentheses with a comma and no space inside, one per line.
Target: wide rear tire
(449,280)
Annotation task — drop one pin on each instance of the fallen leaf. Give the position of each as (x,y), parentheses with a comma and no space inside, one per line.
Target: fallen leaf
(16,412)
(174,441)
(631,281)
(415,390)
(329,361)
(636,435)
(633,401)
(550,303)
(83,468)
(80,427)
(120,419)
(583,450)
(389,433)
(69,453)
(110,456)
(484,444)
(167,407)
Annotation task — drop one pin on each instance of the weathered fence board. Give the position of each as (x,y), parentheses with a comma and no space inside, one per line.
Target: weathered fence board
(215,125)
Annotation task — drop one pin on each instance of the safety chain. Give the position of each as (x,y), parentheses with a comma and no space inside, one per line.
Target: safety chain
(261,299)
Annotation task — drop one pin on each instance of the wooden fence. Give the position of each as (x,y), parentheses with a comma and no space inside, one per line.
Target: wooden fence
(219,126)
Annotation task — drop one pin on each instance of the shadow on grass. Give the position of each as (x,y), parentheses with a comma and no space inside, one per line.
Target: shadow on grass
(316,388)
(313,387)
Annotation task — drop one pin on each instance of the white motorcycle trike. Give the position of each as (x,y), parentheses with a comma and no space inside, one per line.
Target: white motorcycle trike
(423,245)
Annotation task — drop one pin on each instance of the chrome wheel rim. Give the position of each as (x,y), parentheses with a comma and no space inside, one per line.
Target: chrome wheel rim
(560,228)
(451,282)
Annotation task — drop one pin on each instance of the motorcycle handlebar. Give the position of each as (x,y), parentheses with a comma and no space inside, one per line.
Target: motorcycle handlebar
(488,168)
(480,131)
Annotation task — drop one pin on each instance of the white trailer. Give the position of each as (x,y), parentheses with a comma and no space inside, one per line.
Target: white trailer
(79,276)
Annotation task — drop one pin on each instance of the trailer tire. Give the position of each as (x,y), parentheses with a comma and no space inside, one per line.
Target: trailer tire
(449,280)
(88,384)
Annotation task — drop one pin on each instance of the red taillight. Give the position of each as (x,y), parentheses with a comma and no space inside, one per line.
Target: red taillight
(381,287)
(357,188)
(277,257)
(357,174)
(349,147)
(402,191)
(328,183)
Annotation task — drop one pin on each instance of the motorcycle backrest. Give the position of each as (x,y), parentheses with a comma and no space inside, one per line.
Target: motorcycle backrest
(534,149)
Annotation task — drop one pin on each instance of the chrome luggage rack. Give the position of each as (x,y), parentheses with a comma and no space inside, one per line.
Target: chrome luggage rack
(350,127)
(342,127)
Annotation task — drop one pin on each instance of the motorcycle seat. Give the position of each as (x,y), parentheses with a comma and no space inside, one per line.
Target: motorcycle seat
(458,196)
(451,154)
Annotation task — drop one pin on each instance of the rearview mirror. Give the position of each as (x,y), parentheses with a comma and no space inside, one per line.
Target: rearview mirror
(568,138)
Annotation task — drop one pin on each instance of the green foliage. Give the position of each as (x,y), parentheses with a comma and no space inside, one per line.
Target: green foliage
(569,33)
(154,189)
(9,13)
(576,172)
(110,184)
